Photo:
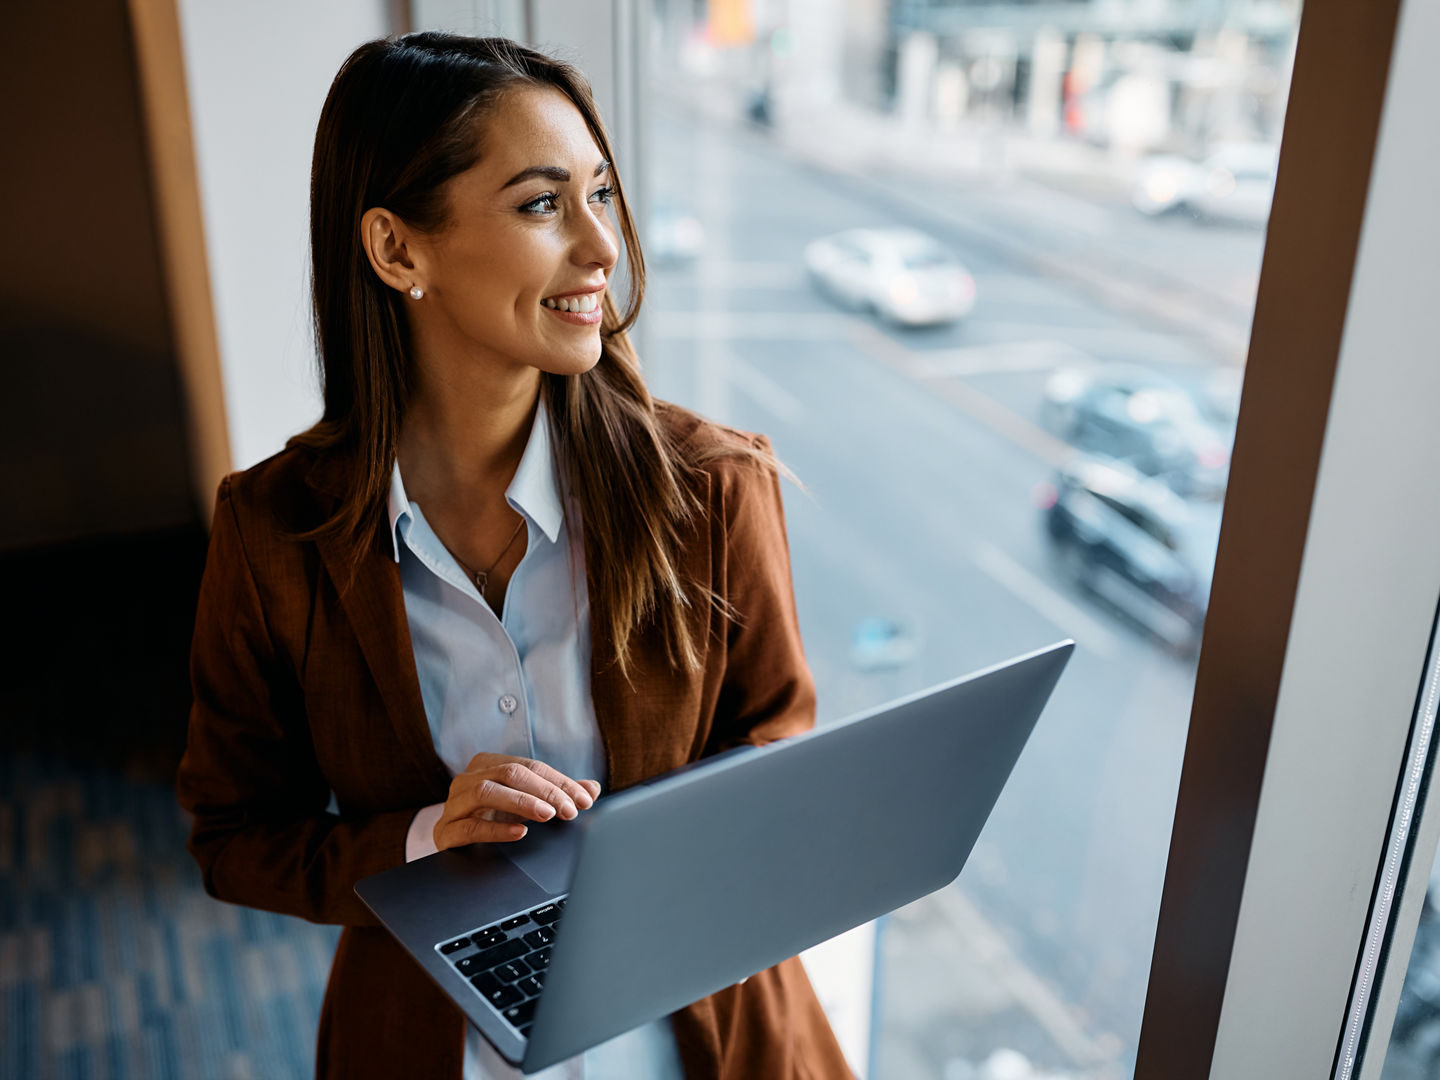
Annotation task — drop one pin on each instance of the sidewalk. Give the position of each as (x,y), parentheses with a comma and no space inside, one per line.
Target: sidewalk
(958,1004)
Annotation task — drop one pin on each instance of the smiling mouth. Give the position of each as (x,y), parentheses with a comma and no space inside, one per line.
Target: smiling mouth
(582,303)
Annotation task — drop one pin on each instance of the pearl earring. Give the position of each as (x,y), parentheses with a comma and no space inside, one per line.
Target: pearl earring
(416,292)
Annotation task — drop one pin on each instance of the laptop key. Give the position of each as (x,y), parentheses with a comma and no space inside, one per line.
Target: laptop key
(486,983)
(537,939)
(546,915)
(521,1014)
(531,984)
(511,924)
(489,939)
(511,971)
(539,959)
(508,950)
(454,946)
(504,997)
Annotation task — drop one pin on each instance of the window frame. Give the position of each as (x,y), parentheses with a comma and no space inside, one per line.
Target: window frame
(1325,586)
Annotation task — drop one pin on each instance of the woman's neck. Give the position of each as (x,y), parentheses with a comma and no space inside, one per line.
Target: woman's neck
(462,439)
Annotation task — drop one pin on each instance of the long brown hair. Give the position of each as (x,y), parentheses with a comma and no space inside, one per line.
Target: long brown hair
(402,117)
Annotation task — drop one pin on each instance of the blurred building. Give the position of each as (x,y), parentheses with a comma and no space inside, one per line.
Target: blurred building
(1135,74)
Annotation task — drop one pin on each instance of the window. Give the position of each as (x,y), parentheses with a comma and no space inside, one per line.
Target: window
(921,422)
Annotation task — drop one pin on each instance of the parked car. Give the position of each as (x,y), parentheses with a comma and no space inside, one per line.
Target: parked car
(1129,540)
(902,275)
(1138,415)
(1235,183)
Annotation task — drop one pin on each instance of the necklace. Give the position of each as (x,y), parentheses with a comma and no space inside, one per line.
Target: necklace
(482,577)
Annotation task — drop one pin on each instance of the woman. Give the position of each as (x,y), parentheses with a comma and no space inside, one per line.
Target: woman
(495,575)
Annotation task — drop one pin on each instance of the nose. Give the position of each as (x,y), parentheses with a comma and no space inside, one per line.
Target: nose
(594,243)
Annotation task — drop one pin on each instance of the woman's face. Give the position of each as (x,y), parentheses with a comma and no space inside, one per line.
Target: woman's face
(529,235)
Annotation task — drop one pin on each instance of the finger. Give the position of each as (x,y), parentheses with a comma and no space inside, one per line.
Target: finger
(485,759)
(492,793)
(472,830)
(500,815)
(593,787)
(546,783)
(576,790)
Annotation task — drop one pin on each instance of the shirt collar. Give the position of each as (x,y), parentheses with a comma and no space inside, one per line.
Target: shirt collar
(533,490)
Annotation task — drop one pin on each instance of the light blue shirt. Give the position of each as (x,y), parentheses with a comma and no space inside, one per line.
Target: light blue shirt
(517,683)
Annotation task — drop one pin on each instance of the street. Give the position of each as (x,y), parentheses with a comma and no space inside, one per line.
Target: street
(919,451)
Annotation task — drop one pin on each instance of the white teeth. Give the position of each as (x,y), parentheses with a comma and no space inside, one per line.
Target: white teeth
(582,304)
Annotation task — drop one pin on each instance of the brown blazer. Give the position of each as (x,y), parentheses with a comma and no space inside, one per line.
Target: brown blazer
(300,692)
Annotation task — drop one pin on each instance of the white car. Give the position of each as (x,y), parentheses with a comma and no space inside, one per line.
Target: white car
(904,276)
(1235,183)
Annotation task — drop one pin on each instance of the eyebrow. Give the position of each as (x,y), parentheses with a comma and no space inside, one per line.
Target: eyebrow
(548,172)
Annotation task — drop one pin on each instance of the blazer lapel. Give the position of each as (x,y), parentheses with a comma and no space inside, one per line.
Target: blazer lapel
(375,607)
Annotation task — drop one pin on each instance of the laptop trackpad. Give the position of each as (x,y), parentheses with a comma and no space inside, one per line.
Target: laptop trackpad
(547,854)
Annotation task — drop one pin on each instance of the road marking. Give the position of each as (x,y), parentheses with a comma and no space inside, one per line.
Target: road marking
(915,365)
(979,406)
(750,325)
(1158,349)
(1060,207)
(1066,617)
(1000,357)
(1033,993)
(765,391)
(745,274)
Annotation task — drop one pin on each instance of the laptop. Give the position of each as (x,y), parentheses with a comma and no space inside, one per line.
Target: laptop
(671,890)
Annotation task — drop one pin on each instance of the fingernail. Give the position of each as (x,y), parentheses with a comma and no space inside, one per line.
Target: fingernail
(547,812)
(574,810)
(521,834)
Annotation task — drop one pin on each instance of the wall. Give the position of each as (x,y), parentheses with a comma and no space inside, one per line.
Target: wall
(258,74)
(94,439)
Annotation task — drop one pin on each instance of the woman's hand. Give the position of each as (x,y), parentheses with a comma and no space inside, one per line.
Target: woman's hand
(496,794)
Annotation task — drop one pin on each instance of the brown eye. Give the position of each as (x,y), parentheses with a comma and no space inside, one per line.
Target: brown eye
(542,204)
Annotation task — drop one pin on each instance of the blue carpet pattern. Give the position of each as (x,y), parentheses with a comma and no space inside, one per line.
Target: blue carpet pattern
(115,965)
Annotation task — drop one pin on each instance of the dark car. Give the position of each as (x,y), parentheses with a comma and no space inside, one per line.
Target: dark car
(1137,415)
(1129,540)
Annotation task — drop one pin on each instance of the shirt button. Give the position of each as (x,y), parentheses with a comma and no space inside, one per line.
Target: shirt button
(508,704)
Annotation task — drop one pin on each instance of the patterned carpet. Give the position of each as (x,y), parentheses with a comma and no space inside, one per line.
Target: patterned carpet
(114,964)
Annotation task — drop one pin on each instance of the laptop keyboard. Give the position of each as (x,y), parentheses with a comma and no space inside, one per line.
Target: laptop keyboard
(505,961)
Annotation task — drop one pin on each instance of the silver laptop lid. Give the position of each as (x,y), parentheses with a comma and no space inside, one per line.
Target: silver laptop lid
(688,884)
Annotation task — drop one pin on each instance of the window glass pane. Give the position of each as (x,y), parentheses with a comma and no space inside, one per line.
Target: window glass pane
(1013,421)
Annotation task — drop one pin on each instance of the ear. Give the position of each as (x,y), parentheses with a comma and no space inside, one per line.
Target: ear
(392,249)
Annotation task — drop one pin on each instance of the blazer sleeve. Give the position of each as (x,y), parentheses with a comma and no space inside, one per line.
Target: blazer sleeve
(249,776)
(767,691)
